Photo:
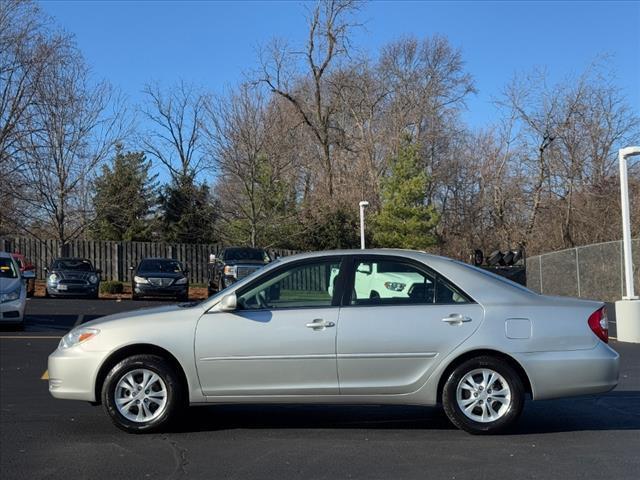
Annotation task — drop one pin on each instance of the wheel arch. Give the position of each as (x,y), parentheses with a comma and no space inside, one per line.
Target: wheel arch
(512,362)
(136,349)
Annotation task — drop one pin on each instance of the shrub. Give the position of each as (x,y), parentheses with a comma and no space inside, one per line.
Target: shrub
(111,287)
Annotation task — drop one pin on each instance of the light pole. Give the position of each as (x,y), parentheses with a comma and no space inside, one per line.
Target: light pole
(627,309)
(362,205)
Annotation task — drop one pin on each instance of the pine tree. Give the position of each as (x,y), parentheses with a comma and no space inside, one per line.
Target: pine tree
(188,214)
(124,198)
(406,220)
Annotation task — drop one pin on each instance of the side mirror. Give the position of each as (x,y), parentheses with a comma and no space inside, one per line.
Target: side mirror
(98,271)
(364,268)
(229,303)
(186,272)
(28,274)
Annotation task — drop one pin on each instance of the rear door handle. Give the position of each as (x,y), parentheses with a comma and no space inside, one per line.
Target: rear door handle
(456,319)
(320,324)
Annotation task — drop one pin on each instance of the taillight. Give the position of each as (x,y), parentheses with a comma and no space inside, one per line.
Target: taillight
(599,324)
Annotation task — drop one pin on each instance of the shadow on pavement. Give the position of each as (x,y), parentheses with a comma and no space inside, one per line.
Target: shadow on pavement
(616,410)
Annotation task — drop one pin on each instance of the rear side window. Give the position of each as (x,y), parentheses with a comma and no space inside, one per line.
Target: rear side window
(394,282)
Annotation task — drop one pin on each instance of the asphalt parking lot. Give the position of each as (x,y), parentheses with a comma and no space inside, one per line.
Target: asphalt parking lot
(40,437)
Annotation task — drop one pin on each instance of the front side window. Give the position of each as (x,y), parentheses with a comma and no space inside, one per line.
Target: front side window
(301,286)
(392,282)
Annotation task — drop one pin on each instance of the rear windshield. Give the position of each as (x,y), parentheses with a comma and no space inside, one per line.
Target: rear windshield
(246,254)
(500,278)
(72,264)
(8,268)
(160,266)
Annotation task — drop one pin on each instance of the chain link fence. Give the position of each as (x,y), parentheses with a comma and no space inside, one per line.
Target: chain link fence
(593,271)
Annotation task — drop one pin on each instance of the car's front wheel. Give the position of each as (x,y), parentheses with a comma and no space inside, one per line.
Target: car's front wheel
(142,393)
(483,395)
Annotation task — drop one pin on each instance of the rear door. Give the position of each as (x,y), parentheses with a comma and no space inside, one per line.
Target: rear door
(398,320)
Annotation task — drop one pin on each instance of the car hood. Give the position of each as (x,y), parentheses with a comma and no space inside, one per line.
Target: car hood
(245,262)
(72,274)
(9,284)
(159,275)
(134,315)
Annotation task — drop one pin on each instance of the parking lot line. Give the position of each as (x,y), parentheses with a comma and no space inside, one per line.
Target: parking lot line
(28,337)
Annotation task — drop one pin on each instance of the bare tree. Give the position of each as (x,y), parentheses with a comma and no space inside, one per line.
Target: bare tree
(255,157)
(73,124)
(176,138)
(311,92)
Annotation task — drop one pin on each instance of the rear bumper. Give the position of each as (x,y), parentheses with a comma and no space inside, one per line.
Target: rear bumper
(569,373)
(73,372)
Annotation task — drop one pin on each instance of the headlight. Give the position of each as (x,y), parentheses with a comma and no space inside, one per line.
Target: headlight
(93,278)
(138,279)
(78,336)
(11,296)
(181,281)
(53,279)
(230,270)
(395,286)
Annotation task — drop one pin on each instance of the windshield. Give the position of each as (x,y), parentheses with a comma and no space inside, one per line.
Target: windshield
(72,264)
(8,268)
(254,254)
(163,266)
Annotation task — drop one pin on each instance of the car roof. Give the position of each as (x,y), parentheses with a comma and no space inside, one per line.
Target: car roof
(160,258)
(81,259)
(5,255)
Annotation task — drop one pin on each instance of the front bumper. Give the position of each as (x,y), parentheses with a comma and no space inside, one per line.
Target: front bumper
(13,311)
(72,290)
(144,290)
(73,372)
(570,373)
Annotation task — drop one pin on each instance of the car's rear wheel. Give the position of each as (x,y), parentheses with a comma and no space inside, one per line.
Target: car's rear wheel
(142,393)
(483,395)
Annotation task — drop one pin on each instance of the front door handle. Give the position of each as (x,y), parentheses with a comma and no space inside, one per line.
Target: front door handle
(456,319)
(320,324)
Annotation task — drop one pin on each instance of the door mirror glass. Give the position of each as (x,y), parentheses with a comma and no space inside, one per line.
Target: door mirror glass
(364,268)
(228,303)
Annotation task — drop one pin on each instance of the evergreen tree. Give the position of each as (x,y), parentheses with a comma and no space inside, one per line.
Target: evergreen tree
(188,214)
(124,198)
(405,219)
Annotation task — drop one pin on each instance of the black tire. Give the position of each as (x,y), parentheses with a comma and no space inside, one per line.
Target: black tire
(507,418)
(134,297)
(166,372)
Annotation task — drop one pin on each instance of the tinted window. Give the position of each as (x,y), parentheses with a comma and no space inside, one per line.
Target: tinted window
(72,264)
(390,282)
(308,285)
(8,268)
(160,266)
(254,254)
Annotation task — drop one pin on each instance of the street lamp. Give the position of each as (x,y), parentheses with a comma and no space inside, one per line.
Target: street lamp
(627,309)
(362,205)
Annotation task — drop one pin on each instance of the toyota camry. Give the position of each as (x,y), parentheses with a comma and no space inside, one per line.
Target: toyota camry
(353,326)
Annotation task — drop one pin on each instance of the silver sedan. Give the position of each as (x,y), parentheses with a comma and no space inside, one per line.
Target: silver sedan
(354,326)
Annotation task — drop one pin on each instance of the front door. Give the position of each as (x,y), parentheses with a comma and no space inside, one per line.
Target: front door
(282,338)
(401,318)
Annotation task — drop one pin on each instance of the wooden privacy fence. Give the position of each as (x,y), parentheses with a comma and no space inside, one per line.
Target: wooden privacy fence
(115,258)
